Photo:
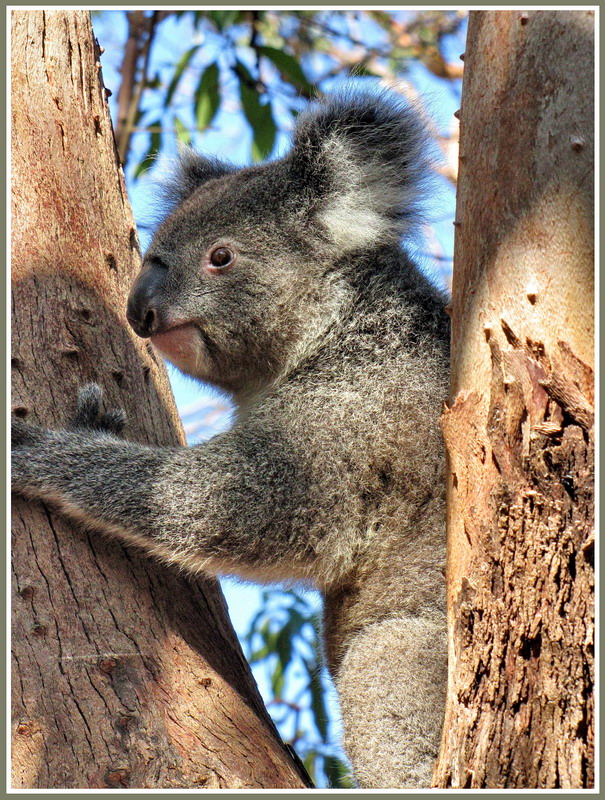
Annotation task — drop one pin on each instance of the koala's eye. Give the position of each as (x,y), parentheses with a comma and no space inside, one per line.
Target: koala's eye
(221,259)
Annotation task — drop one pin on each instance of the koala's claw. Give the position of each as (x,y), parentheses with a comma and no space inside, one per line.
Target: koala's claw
(88,414)
(113,421)
(88,406)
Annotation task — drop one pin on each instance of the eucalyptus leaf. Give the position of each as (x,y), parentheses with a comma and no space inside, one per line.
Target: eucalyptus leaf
(207,97)
(182,132)
(222,19)
(309,763)
(259,655)
(259,116)
(296,620)
(283,646)
(318,706)
(178,72)
(338,773)
(288,66)
(277,681)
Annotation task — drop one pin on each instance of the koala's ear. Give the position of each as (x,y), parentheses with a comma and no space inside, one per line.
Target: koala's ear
(361,159)
(190,171)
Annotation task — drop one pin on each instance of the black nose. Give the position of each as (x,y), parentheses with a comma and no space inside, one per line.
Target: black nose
(143,323)
(144,300)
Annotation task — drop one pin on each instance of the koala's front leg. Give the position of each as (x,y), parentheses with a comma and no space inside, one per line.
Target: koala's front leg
(86,470)
(226,505)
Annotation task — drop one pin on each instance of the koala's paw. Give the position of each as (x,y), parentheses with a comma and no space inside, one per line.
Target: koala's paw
(89,417)
(25,434)
(27,443)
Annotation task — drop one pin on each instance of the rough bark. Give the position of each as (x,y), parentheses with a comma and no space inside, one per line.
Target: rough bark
(125,673)
(519,428)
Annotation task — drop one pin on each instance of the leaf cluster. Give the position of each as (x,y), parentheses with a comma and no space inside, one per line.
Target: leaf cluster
(284,638)
(271,62)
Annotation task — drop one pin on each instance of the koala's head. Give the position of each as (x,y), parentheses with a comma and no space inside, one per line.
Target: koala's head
(240,270)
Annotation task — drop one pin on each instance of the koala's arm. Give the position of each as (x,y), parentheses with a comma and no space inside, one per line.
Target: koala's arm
(227,505)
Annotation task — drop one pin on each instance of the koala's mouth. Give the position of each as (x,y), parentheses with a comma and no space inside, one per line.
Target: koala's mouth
(183,345)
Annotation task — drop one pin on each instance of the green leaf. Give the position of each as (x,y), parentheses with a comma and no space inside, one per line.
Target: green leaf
(283,646)
(309,764)
(264,137)
(155,144)
(207,99)
(259,655)
(296,620)
(265,632)
(254,622)
(178,71)
(182,133)
(153,83)
(222,19)
(318,706)
(277,680)
(259,116)
(288,66)
(337,773)
(244,74)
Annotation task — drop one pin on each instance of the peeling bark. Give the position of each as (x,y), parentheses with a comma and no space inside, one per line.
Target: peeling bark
(126,674)
(524,629)
(519,430)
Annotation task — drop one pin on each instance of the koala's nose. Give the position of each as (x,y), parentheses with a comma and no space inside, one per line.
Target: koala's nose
(144,324)
(142,309)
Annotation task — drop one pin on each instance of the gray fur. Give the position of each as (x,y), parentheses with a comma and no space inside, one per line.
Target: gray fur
(335,348)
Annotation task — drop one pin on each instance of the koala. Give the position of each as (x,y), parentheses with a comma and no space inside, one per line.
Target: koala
(287,285)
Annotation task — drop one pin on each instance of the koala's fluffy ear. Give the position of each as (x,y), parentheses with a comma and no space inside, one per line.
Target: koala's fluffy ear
(361,159)
(190,171)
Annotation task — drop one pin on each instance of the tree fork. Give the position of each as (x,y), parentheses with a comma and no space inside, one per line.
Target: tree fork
(126,674)
(519,429)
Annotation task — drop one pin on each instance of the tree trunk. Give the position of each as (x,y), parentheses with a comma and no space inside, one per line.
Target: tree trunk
(125,673)
(519,429)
